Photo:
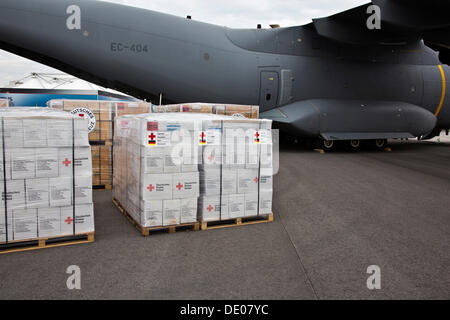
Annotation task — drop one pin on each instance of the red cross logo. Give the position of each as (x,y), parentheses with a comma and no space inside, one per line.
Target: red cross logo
(69,220)
(211,158)
(256,180)
(203,138)
(179,186)
(210,208)
(66,162)
(151,188)
(257,135)
(152,136)
(81,115)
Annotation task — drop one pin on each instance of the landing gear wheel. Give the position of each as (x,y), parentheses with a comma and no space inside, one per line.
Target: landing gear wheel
(326,145)
(380,144)
(354,145)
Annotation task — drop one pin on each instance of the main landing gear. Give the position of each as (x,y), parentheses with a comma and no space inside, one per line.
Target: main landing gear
(351,145)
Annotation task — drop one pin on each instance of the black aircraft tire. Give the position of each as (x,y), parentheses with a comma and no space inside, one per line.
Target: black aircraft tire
(326,145)
(354,145)
(379,144)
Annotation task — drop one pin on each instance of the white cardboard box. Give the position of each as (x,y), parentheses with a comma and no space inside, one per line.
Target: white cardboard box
(13,133)
(186,185)
(36,192)
(49,222)
(35,133)
(152,160)
(59,132)
(251,204)
(210,182)
(265,202)
(236,207)
(83,161)
(60,191)
(157,187)
(46,162)
(23,164)
(248,180)
(25,224)
(172,161)
(152,213)
(229,181)
(15,194)
(212,209)
(171,212)
(84,219)
(266,179)
(83,190)
(189,210)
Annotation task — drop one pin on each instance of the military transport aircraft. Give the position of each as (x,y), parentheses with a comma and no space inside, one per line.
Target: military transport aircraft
(374,72)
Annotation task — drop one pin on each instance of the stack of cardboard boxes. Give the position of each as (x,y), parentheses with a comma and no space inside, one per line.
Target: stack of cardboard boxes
(164,162)
(236,169)
(45,175)
(251,112)
(154,178)
(101,116)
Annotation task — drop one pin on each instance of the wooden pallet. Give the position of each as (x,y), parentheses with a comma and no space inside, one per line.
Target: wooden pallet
(102,187)
(238,222)
(43,243)
(145,231)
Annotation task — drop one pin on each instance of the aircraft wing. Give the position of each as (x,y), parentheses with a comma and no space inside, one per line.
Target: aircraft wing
(401,21)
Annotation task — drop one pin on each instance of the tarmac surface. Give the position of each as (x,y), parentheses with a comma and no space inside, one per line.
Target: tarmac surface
(335,215)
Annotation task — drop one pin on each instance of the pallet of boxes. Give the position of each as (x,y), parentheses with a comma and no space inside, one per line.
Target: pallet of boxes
(175,170)
(46,180)
(100,115)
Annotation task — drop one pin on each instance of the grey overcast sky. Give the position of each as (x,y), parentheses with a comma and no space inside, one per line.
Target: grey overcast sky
(236,14)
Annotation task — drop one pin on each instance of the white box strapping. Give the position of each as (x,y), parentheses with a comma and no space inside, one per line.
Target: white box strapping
(222,165)
(45,175)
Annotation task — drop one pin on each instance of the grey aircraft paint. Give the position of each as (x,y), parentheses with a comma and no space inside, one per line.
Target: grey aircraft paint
(332,78)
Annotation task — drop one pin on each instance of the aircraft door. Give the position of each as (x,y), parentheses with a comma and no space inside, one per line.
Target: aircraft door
(269,90)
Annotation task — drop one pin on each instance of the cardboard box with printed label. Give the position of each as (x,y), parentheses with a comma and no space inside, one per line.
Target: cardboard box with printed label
(49,222)
(15,194)
(23,163)
(186,185)
(84,219)
(157,187)
(46,163)
(151,213)
(36,193)
(189,210)
(25,224)
(60,191)
(171,212)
